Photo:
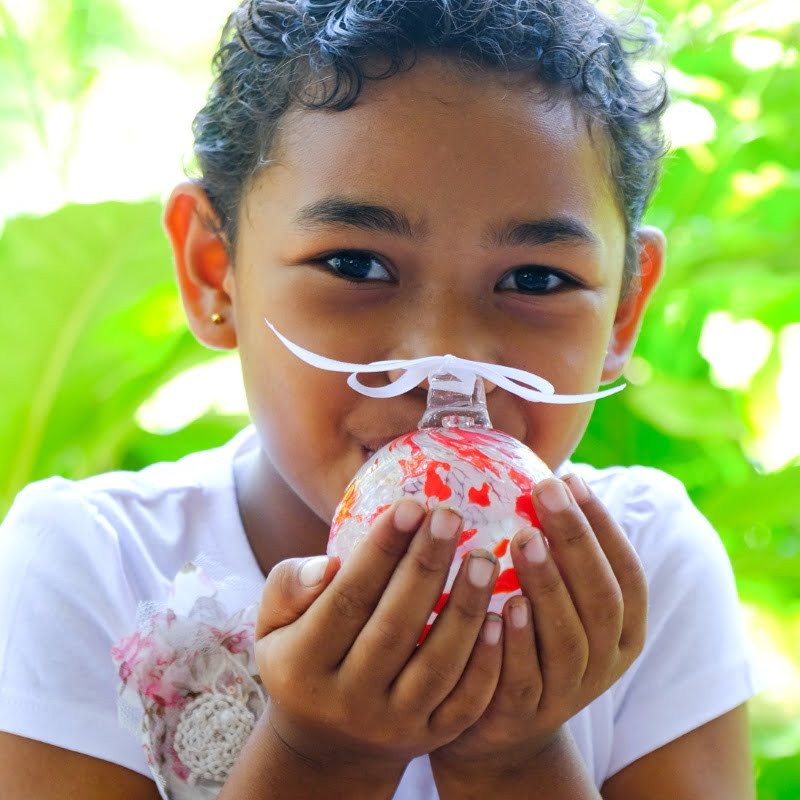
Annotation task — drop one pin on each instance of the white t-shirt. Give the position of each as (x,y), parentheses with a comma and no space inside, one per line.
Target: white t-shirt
(77,559)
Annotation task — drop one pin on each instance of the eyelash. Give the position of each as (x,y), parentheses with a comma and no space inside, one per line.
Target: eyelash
(325,262)
(567,281)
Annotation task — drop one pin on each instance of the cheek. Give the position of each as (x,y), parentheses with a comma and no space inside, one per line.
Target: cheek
(573,364)
(579,354)
(299,414)
(579,368)
(555,431)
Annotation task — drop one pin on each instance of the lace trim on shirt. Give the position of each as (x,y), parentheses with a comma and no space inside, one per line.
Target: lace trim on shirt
(189,684)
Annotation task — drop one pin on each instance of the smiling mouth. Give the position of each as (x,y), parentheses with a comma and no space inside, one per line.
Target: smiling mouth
(370,448)
(368,453)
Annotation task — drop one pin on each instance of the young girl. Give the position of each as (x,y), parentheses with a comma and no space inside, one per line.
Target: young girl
(388,180)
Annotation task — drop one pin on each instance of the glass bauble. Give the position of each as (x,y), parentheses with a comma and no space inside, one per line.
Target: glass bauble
(481,472)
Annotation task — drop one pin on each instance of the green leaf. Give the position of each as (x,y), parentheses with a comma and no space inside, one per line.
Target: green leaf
(760,500)
(93,329)
(779,779)
(686,409)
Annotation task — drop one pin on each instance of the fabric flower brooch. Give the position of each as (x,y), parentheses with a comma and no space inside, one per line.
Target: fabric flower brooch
(190,687)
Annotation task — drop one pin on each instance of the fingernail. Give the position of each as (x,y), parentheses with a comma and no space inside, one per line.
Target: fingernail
(491,630)
(578,487)
(408,515)
(480,570)
(534,548)
(312,570)
(519,615)
(553,495)
(444,523)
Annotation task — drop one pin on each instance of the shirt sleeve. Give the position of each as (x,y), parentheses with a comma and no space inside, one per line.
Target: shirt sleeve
(696,664)
(64,599)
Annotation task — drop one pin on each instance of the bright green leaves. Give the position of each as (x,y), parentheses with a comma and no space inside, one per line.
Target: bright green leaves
(90,328)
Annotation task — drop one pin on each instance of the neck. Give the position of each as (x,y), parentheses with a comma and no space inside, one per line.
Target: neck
(278,524)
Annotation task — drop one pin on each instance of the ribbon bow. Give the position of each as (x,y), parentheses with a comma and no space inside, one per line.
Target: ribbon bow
(526,385)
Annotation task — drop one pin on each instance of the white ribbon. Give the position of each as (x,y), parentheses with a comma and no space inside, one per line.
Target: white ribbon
(526,385)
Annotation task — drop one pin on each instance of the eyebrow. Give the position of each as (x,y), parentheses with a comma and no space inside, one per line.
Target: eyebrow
(341,211)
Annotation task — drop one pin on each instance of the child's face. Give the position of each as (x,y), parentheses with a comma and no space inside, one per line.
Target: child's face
(463,161)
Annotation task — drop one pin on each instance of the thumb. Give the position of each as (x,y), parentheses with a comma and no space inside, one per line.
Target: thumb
(291,587)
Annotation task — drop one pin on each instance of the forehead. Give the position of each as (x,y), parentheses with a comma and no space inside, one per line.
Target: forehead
(441,144)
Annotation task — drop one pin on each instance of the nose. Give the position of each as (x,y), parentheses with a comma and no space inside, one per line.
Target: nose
(425,341)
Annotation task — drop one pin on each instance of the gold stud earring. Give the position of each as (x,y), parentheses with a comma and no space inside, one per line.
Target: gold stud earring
(217,319)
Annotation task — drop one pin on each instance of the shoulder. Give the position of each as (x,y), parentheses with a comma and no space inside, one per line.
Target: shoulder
(659,518)
(116,530)
(638,492)
(692,589)
(65,596)
(52,536)
(695,665)
(155,493)
(79,561)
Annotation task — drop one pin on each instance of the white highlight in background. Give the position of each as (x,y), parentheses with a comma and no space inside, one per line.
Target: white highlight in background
(779,444)
(213,387)
(757,52)
(776,665)
(132,141)
(735,349)
(689,124)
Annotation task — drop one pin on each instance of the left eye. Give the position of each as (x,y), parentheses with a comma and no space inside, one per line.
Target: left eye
(535,280)
(356,265)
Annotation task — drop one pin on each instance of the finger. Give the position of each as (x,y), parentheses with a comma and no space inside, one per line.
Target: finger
(561,641)
(585,570)
(438,663)
(519,688)
(290,589)
(390,636)
(343,609)
(624,562)
(474,691)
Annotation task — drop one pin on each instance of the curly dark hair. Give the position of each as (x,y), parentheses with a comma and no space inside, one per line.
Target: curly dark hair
(273,51)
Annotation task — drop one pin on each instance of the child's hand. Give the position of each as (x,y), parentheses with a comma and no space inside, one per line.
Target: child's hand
(347,683)
(588,595)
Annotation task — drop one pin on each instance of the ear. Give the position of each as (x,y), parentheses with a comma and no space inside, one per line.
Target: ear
(202,265)
(632,305)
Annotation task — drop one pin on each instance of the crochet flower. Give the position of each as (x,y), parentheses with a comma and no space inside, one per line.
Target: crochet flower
(194,678)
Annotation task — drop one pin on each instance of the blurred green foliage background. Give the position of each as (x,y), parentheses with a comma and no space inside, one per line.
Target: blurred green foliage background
(97,369)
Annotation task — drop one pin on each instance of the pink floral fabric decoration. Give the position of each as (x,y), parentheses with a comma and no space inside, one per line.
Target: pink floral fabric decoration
(190,686)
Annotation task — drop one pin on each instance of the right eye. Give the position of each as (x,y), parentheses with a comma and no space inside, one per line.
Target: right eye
(356,266)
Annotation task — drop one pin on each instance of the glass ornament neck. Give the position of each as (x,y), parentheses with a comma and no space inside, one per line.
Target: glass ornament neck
(455,401)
